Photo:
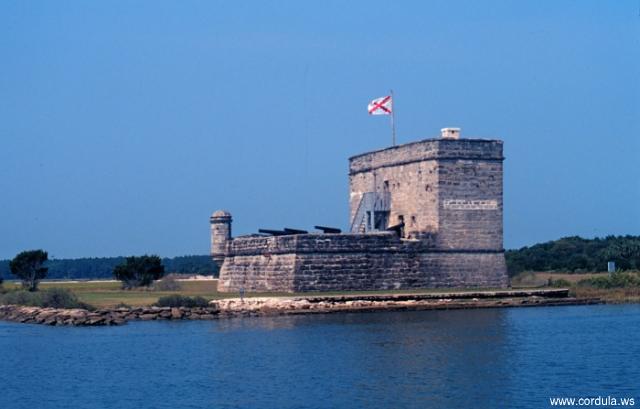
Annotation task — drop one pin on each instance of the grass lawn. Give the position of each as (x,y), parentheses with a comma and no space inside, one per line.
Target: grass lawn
(540,279)
(610,295)
(110,293)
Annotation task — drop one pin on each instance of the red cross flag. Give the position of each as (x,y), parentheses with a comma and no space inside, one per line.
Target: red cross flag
(381,106)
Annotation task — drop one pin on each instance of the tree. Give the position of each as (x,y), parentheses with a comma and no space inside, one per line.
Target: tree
(139,271)
(28,266)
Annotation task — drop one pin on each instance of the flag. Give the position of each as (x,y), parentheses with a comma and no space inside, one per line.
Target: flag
(381,106)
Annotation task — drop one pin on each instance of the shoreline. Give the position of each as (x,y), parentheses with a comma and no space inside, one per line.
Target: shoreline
(296,305)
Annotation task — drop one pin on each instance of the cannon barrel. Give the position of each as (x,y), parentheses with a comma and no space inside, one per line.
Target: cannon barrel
(295,231)
(398,228)
(326,229)
(273,232)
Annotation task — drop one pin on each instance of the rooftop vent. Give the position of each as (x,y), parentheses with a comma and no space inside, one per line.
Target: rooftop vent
(450,133)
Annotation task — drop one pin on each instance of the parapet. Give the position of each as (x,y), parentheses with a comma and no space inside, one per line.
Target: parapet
(427,149)
(221,214)
(322,243)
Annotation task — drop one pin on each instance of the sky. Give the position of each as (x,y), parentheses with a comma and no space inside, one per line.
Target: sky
(124,125)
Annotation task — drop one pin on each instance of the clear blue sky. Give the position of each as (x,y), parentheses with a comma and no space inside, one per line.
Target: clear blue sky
(123,125)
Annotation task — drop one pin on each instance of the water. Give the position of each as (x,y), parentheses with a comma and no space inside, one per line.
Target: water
(507,358)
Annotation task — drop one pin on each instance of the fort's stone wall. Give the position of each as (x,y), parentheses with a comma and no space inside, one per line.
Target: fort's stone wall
(469,205)
(448,188)
(413,189)
(426,150)
(336,262)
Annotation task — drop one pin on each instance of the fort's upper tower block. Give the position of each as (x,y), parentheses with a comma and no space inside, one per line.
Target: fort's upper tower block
(447,190)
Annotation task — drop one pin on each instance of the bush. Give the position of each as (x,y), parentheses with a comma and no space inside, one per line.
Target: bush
(50,298)
(61,298)
(177,300)
(21,297)
(561,282)
(139,271)
(615,280)
(167,284)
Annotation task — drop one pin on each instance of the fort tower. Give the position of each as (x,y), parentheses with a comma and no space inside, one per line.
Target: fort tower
(447,190)
(220,235)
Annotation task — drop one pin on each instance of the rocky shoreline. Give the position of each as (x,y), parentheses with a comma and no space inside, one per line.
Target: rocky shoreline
(236,307)
(116,316)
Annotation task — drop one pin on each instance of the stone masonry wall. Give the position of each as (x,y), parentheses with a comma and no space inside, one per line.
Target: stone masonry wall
(470,205)
(259,264)
(428,149)
(448,189)
(337,262)
(258,273)
(466,269)
(413,190)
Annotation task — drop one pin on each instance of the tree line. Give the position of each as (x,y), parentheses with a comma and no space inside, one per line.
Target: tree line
(577,255)
(103,267)
(568,254)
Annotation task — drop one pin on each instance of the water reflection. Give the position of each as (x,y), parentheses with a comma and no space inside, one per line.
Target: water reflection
(405,356)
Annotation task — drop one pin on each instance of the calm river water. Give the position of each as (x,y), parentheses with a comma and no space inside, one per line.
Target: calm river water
(506,358)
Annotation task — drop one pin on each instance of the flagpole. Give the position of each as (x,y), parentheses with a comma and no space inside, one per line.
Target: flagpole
(393,119)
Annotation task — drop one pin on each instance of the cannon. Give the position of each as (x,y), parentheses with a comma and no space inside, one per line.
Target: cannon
(295,231)
(398,229)
(273,232)
(326,229)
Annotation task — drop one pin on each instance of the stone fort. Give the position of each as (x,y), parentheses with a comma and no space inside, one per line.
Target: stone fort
(422,215)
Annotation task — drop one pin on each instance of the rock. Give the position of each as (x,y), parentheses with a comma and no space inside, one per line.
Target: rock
(77,313)
(95,320)
(50,321)
(207,316)
(148,317)
(45,314)
(176,313)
